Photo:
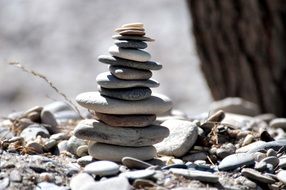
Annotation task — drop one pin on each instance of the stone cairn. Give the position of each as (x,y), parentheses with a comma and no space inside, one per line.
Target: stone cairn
(124,106)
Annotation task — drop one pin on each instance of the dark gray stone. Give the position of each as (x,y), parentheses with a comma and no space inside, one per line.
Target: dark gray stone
(148,65)
(138,93)
(138,38)
(130,44)
(133,163)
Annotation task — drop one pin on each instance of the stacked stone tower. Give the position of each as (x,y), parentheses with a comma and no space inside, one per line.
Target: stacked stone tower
(124,106)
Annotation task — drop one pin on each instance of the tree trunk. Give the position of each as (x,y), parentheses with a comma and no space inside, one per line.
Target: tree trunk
(242,48)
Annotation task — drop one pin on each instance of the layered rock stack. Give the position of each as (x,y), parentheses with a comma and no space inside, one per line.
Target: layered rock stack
(124,105)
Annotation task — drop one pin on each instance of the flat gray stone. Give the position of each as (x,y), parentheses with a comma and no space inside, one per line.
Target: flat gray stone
(107,80)
(196,175)
(115,153)
(137,93)
(114,183)
(130,44)
(126,73)
(282,176)
(270,160)
(130,54)
(94,130)
(235,105)
(149,65)
(234,161)
(133,163)
(278,123)
(157,103)
(183,135)
(102,168)
(138,174)
(275,145)
(47,185)
(126,120)
(256,176)
(138,38)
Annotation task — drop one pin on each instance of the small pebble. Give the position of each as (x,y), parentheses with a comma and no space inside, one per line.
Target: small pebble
(102,168)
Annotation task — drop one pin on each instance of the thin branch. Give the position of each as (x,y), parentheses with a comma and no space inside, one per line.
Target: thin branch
(49,83)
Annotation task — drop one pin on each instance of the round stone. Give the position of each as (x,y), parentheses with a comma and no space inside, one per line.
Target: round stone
(94,130)
(132,33)
(137,93)
(116,153)
(139,38)
(130,44)
(148,65)
(126,120)
(234,161)
(157,103)
(183,135)
(102,168)
(107,80)
(130,54)
(126,73)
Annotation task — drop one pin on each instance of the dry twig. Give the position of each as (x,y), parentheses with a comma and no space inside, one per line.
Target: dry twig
(47,81)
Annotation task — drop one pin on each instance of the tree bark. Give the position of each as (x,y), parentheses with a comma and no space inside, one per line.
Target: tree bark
(242,48)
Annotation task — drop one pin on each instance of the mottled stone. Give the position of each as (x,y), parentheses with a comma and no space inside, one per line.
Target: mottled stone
(183,135)
(97,131)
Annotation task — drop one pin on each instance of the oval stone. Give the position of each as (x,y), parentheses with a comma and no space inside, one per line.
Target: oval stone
(234,161)
(115,153)
(107,80)
(130,54)
(130,44)
(148,65)
(126,73)
(97,131)
(126,120)
(157,103)
(136,93)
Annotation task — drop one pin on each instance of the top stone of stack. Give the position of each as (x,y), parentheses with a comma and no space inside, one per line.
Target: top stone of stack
(132,31)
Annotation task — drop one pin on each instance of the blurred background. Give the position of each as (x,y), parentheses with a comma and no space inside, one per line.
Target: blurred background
(62,39)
